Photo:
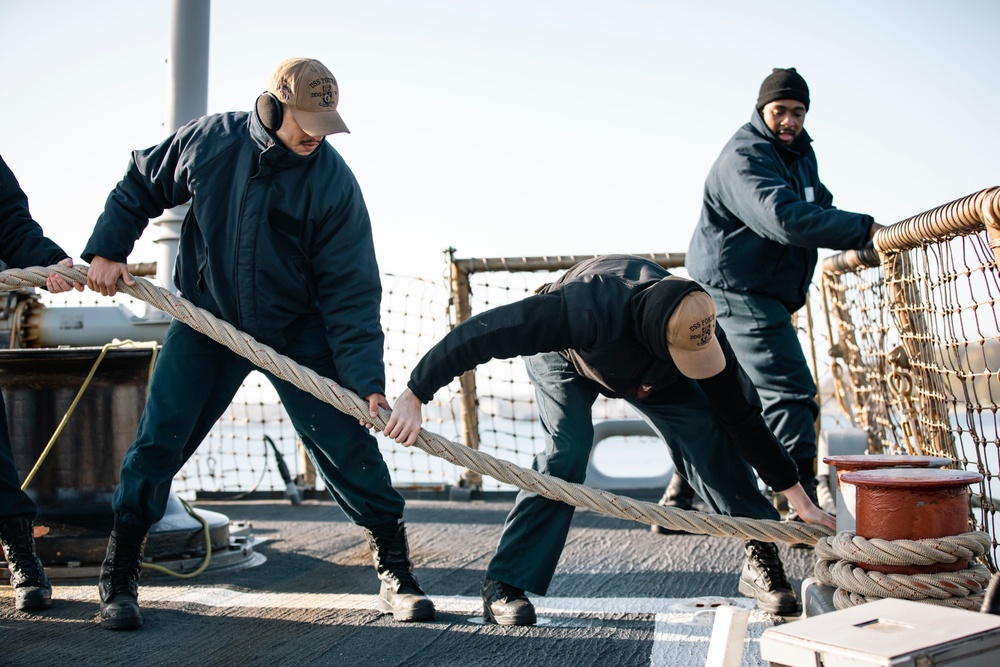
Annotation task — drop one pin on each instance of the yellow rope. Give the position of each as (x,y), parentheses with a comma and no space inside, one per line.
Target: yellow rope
(62,425)
(208,550)
(79,395)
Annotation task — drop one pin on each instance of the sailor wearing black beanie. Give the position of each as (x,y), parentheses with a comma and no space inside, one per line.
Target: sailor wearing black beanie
(765,214)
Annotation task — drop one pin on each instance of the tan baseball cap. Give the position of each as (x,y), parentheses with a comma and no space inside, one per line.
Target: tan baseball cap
(691,338)
(311,93)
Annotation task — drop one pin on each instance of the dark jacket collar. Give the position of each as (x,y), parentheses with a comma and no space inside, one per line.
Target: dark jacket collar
(273,154)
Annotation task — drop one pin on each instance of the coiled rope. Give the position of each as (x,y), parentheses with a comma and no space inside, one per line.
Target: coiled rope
(965,589)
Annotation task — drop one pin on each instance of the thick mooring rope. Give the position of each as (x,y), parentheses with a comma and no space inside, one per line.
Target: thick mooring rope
(854,584)
(349,403)
(965,589)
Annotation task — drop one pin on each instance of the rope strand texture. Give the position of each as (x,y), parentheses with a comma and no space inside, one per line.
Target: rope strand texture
(964,589)
(349,403)
(857,549)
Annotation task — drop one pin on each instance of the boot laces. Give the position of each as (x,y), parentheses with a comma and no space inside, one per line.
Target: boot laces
(391,561)
(399,569)
(126,564)
(125,578)
(21,559)
(508,593)
(765,556)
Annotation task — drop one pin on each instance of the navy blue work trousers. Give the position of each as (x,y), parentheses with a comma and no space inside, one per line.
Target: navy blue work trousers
(14,503)
(536,528)
(193,383)
(761,333)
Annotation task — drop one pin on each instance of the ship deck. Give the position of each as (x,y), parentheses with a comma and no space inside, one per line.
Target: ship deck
(622,596)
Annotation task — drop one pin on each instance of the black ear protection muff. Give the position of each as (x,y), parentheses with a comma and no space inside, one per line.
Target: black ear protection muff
(269,111)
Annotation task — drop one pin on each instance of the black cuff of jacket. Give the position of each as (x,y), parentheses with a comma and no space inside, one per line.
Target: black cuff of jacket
(419,393)
(868,235)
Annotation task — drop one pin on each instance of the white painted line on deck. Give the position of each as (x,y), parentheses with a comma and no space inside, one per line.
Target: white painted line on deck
(681,636)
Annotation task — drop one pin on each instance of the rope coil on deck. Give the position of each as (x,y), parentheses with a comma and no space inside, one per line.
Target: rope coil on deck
(838,555)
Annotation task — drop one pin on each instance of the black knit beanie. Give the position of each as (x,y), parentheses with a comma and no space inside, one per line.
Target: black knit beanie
(783,84)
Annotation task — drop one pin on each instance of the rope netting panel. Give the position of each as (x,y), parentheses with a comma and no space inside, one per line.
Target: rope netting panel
(237,458)
(859,358)
(917,352)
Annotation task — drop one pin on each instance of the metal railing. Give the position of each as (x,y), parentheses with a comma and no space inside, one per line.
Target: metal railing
(916,355)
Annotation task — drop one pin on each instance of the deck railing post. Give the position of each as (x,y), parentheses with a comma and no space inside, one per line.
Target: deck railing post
(459,279)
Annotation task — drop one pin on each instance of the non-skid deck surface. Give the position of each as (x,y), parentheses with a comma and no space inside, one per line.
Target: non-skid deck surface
(622,597)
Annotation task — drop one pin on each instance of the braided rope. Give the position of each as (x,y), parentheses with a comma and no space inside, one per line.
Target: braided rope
(857,549)
(349,403)
(964,589)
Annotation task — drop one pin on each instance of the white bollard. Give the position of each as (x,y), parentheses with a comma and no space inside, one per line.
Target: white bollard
(729,633)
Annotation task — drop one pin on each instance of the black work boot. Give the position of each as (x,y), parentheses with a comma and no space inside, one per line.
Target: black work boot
(32,591)
(119,582)
(763,578)
(400,595)
(678,494)
(504,604)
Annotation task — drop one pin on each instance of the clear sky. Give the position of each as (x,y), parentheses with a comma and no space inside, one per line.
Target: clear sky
(522,127)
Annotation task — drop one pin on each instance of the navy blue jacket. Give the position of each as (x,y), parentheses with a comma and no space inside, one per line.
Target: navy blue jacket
(600,316)
(22,243)
(271,240)
(764,214)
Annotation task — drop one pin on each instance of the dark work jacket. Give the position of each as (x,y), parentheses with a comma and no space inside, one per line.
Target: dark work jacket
(272,240)
(601,317)
(22,242)
(764,213)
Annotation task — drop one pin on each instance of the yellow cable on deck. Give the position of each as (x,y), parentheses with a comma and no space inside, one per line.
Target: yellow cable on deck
(208,550)
(79,395)
(62,425)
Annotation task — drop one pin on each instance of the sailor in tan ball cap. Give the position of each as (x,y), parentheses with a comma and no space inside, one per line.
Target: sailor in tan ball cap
(277,242)
(624,327)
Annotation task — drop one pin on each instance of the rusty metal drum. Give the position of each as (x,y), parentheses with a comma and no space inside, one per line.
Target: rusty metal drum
(846,521)
(912,504)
